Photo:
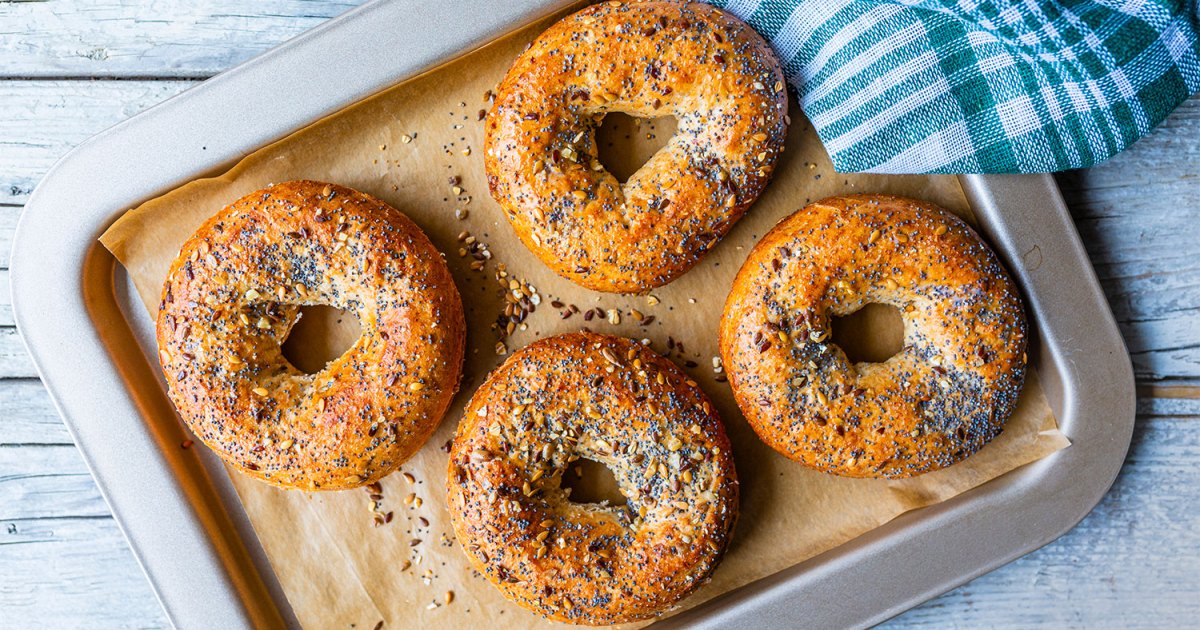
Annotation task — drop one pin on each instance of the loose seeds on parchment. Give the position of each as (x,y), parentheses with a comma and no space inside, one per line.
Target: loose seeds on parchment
(375,504)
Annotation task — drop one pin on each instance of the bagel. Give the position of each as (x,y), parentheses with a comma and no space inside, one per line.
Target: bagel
(718,78)
(940,399)
(232,296)
(616,402)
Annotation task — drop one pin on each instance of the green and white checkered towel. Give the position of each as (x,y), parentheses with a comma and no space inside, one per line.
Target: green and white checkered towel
(981,86)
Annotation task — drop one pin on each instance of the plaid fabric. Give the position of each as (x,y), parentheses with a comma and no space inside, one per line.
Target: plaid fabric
(981,86)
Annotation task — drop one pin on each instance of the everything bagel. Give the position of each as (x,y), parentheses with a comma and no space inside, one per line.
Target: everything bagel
(940,399)
(616,402)
(718,78)
(232,296)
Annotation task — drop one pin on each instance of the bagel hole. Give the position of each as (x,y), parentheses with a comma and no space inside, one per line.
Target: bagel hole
(872,334)
(320,335)
(588,481)
(625,143)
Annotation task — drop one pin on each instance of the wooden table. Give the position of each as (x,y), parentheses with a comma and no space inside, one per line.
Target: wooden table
(68,71)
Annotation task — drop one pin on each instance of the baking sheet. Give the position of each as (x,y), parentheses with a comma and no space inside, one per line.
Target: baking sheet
(405,146)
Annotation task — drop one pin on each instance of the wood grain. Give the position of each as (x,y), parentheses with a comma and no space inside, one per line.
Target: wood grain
(1139,216)
(41,120)
(72,573)
(134,38)
(6,314)
(46,482)
(29,417)
(14,362)
(63,562)
(1131,563)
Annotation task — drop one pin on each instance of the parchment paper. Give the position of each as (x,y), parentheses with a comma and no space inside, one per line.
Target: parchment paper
(337,567)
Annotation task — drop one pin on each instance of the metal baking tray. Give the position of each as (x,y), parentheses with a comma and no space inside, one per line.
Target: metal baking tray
(92,343)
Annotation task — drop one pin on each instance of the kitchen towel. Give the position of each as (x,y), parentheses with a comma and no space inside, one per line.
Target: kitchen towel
(979,86)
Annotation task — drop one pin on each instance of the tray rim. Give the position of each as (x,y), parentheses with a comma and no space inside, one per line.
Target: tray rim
(209,534)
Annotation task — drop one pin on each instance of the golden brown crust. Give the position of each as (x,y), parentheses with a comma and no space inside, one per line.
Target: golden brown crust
(613,401)
(718,78)
(940,399)
(233,294)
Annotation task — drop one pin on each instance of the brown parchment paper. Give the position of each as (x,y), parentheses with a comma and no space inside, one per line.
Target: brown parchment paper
(403,145)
